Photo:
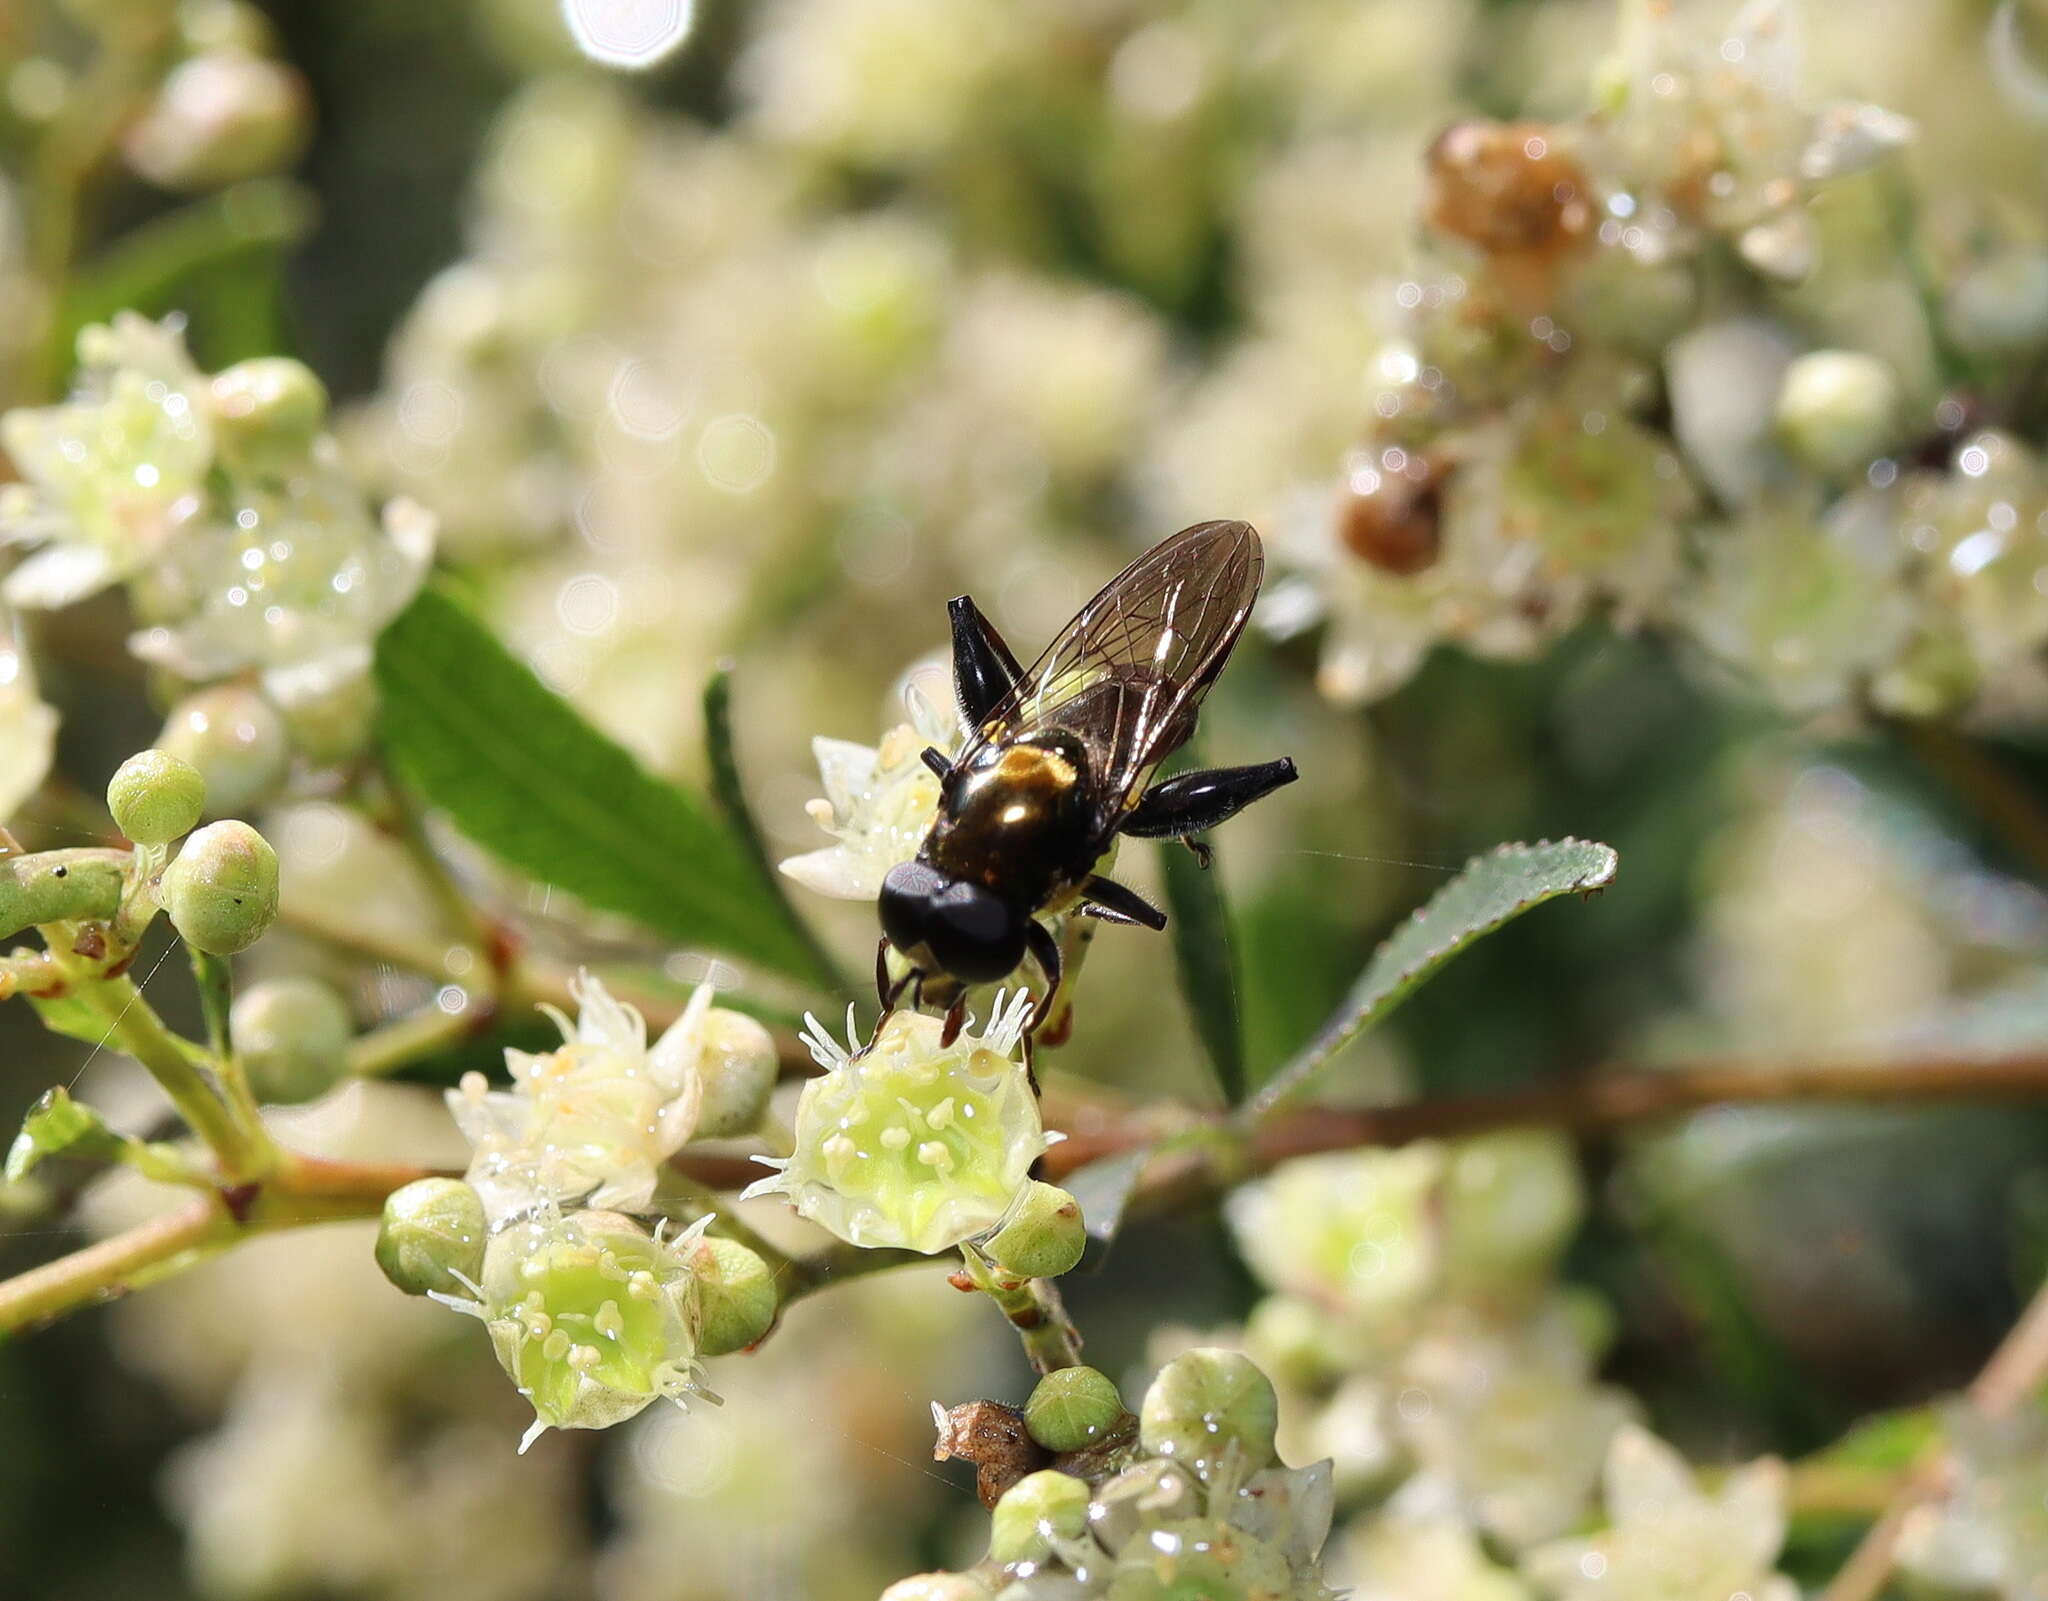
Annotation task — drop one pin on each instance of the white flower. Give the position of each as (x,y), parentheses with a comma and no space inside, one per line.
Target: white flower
(28,728)
(905,1142)
(294,577)
(592,1121)
(1669,1540)
(111,474)
(879,800)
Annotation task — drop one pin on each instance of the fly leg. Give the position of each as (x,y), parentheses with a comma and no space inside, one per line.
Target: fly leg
(889,991)
(1110,901)
(1045,951)
(984,670)
(956,1020)
(1190,803)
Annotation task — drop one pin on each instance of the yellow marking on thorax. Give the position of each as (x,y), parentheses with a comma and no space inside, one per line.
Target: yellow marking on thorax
(1033,765)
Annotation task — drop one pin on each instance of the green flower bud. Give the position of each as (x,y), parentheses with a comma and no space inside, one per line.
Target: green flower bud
(1036,1510)
(266,412)
(2000,306)
(1837,409)
(433,1230)
(218,118)
(155,797)
(1293,1337)
(328,719)
(1043,1236)
(292,1036)
(591,1317)
(237,741)
(736,1298)
(1206,1401)
(221,891)
(738,1066)
(1140,1498)
(1072,1409)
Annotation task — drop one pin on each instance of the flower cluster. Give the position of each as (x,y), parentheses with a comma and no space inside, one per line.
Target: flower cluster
(592,1315)
(879,800)
(1192,1502)
(914,1140)
(246,547)
(1626,372)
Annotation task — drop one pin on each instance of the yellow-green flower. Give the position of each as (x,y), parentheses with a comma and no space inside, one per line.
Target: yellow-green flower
(905,1142)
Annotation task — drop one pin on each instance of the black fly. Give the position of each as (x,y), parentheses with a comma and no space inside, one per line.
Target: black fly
(1060,761)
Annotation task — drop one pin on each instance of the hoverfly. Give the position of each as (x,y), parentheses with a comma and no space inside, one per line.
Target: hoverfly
(1060,761)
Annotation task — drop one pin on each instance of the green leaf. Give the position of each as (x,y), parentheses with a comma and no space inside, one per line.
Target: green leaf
(1493,889)
(1205,962)
(59,1126)
(521,773)
(731,795)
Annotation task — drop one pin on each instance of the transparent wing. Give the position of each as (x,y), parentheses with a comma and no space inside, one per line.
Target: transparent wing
(1128,674)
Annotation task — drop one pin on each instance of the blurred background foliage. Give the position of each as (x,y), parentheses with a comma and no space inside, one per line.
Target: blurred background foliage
(850,305)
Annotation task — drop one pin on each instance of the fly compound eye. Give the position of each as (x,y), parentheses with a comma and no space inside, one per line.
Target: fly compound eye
(906,902)
(974,935)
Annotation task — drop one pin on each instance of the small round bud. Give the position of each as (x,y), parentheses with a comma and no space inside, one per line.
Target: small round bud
(1044,1236)
(2000,306)
(292,1036)
(738,1066)
(266,411)
(735,1295)
(433,1229)
(218,118)
(327,719)
(1837,409)
(1037,1509)
(156,798)
(1072,1409)
(1292,1336)
(237,741)
(221,891)
(1204,1402)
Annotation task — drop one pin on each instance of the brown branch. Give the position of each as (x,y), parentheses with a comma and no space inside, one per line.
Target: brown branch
(304,1190)
(1593,1102)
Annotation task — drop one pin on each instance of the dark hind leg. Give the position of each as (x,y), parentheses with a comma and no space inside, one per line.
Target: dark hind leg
(1112,902)
(1190,803)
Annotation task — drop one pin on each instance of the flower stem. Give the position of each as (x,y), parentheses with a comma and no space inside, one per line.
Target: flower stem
(1034,1309)
(302,1191)
(225,1119)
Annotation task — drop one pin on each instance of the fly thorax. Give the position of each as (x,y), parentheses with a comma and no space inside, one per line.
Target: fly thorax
(1017,821)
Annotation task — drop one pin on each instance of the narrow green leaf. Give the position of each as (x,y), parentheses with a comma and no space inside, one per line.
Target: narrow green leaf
(521,773)
(1205,962)
(1493,889)
(59,1126)
(731,795)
